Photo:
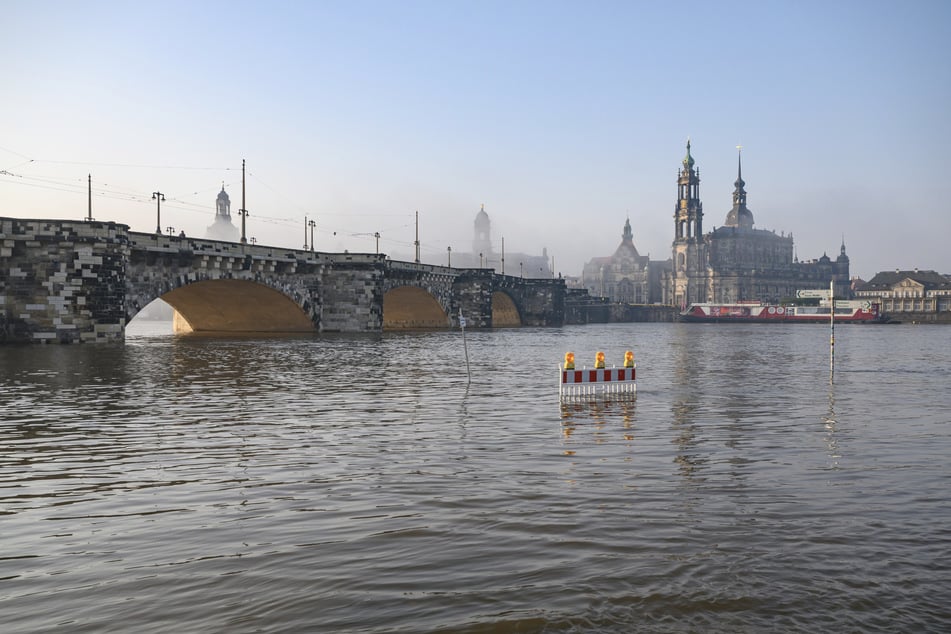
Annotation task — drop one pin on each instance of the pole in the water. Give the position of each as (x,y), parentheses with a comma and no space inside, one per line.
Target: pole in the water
(831,330)
(462,326)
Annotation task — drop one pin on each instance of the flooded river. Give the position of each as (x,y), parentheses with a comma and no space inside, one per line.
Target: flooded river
(363,484)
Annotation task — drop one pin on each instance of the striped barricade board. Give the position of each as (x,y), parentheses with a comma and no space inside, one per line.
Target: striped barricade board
(602,381)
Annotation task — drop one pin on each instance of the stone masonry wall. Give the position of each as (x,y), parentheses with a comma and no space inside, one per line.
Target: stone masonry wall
(62,281)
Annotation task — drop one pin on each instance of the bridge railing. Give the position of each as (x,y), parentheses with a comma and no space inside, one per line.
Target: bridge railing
(175,244)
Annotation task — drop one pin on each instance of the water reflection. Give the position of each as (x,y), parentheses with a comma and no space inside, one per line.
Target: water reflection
(602,413)
(832,442)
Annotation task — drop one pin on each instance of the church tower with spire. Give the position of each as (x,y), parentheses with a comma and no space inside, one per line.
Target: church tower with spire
(739,215)
(688,283)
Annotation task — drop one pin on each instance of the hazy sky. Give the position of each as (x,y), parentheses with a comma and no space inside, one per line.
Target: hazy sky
(562,118)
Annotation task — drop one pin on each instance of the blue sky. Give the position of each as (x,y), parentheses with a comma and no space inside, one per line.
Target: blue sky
(564,119)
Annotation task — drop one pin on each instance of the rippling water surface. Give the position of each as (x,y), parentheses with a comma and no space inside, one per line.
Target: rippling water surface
(358,484)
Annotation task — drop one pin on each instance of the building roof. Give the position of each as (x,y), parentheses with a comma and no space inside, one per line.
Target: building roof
(885,280)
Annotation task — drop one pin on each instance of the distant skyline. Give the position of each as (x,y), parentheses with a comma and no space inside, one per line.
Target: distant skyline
(563,119)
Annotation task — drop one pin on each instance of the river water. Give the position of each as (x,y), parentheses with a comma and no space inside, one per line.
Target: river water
(361,484)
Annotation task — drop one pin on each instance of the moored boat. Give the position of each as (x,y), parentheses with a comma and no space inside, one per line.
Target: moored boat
(859,311)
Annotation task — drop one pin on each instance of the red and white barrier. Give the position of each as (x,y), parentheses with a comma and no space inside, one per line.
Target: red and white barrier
(598,381)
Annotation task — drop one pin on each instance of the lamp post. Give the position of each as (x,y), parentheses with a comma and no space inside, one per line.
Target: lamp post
(520,272)
(503,255)
(377,236)
(242,212)
(417,236)
(158,197)
(171,230)
(305,233)
(449,256)
(481,261)
(89,215)
(312,223)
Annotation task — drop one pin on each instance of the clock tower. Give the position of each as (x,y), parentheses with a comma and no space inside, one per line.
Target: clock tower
(689,262)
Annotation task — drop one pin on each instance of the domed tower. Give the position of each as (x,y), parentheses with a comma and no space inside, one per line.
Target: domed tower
(688,253)
(739,216)
(223,204)
(482,242)
(222,229)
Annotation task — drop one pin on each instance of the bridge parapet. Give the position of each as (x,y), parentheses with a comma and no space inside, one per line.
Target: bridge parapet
(154,242)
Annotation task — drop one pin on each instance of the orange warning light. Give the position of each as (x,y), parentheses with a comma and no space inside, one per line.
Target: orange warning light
(629,359)
(599,360)
(569,360)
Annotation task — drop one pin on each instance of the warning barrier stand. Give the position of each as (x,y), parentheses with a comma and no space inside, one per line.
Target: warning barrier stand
(599,382)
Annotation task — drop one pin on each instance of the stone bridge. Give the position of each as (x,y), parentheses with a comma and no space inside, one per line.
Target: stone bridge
(74,281)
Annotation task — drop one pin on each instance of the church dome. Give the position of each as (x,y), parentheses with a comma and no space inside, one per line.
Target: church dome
(223,195)
(688,160)
(739,216)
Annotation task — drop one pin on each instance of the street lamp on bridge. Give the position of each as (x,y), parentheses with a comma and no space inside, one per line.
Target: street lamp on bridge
(243,212)
(158,197)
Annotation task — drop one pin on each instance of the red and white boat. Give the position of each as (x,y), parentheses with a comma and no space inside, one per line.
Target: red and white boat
(858,311)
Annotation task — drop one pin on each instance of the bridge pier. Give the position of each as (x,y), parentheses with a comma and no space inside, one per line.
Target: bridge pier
(62,281)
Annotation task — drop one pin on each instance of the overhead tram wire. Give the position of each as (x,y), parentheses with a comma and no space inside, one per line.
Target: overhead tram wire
(104,190)
(20,154)
(26,159)
(73,186)
(67,182)
(77,186)
(136,166)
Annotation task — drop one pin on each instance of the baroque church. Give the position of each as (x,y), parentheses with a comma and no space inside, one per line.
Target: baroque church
(733,263)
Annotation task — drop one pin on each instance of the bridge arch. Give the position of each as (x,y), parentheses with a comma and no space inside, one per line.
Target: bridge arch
(407,307)
(504,311)
(230,305)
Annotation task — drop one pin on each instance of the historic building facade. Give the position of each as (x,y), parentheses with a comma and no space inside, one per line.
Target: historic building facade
(624,276)
(909,292)
(737,262)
